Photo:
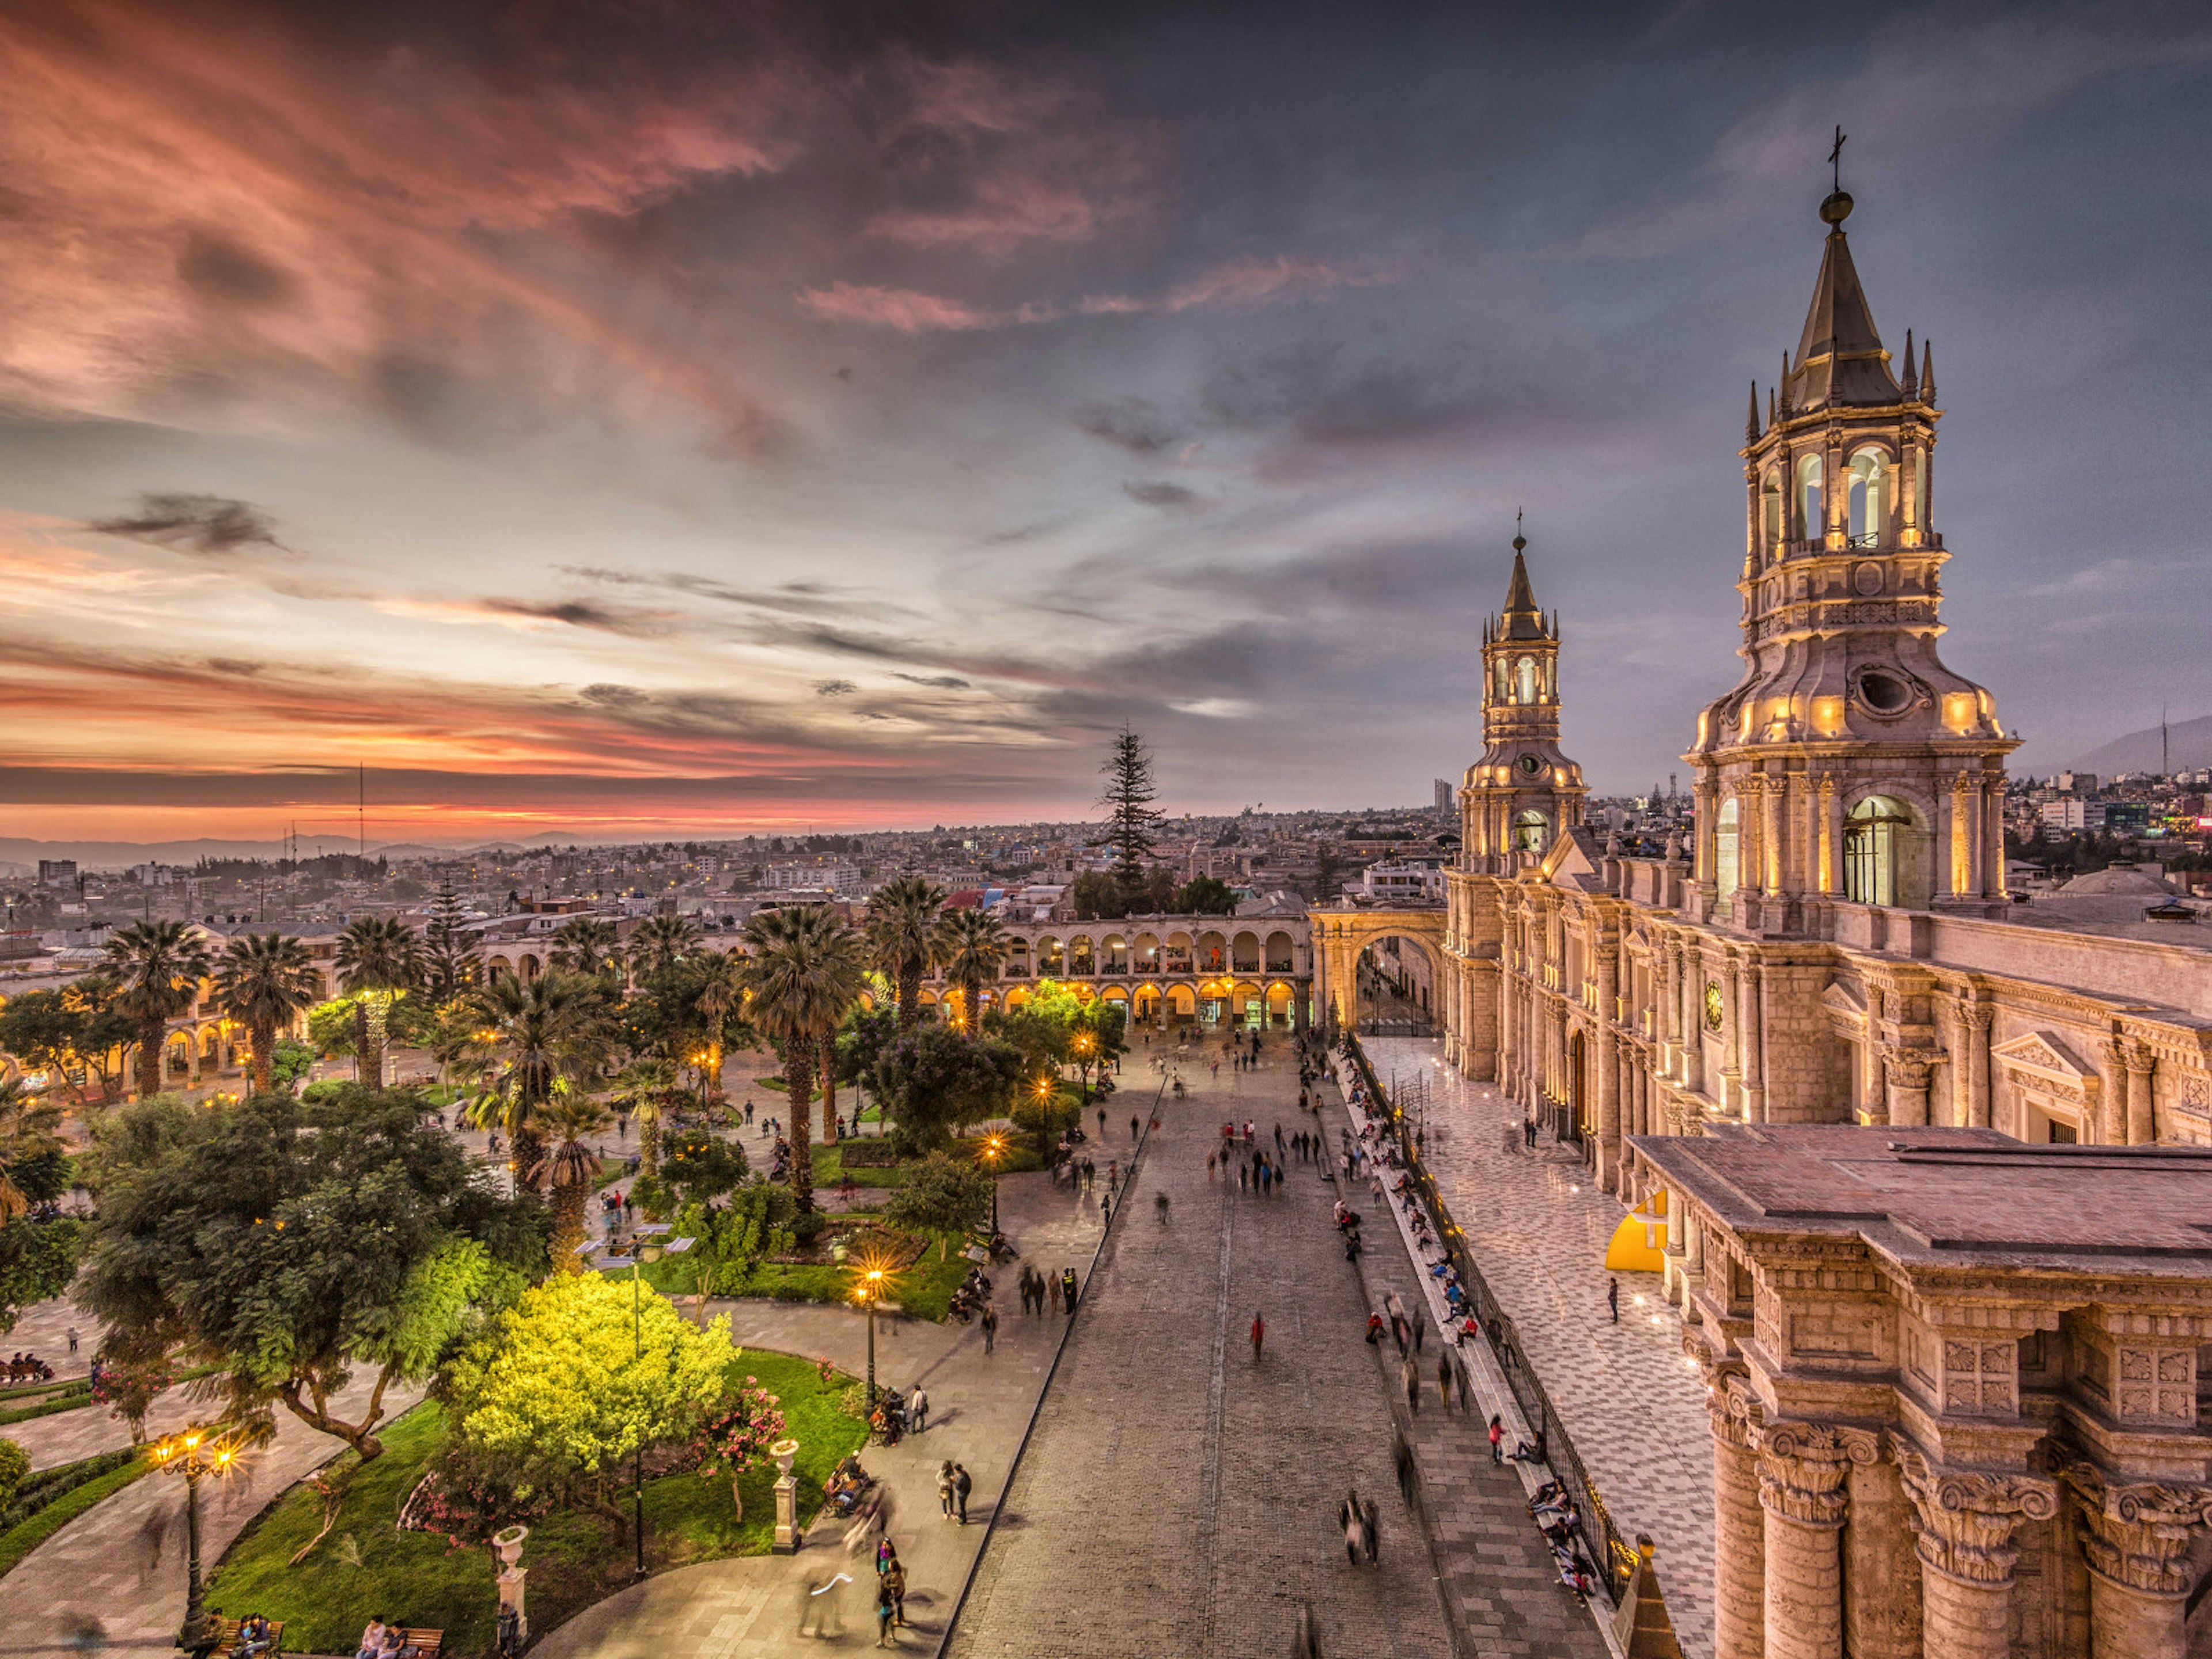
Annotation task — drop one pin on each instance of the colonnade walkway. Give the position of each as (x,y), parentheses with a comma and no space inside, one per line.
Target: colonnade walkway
(1537,1227)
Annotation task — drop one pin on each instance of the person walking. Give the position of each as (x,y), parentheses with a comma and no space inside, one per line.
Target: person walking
(1068,1289)
(1370,1533)
(1612,1301)
(886,1609)
(1259,1336)
(1498,1441)
(990,1326)
(1210,1158)
(895,1582)
(917,1409)
(1403,1454)
(945,1487)
(961,1487)
(1352,1518)
(72,1338)
(1135,1123)
(1409,1378)
(1445,1380)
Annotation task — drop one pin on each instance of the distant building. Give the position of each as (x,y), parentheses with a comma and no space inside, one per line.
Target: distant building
(2079,783)
(1445,803)
(2071,814)
(1402,882)
(56,872)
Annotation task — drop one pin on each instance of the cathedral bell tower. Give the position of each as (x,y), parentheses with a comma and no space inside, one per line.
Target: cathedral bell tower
(1848,764)
(1523,791)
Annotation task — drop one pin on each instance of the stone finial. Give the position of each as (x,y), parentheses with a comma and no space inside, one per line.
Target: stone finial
(1751,430)
(1674,848)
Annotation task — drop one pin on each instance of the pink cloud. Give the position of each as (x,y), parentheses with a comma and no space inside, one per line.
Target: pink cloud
(1242,284)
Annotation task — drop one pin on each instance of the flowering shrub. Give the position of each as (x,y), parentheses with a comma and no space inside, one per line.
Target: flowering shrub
(471,1495)
(128,1389)
(738,1433)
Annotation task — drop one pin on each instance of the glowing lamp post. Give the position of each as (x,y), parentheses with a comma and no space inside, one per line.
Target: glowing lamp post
(193,1453)
(1083,1045)
(873,1280)
(994,1150)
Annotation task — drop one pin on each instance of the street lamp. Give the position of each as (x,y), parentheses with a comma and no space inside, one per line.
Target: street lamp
(868,1291)
(194,1452)
(649,1245)
(995,1148)
(1083,1044)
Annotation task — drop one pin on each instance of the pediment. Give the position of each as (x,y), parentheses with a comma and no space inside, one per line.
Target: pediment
(2044,1054)
(1569,861)
(1841,998)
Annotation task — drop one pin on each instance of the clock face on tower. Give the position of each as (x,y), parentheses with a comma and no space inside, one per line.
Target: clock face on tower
(1531,764)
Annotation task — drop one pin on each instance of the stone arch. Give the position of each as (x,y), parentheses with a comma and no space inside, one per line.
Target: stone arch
(1145,952)
(1810,498)
(1114,955)
(1174,952)
(1182,1004)
(1870,483)
(1281,953)
(1213,951)
(1888,851)
(1145,1003)
(1727,847)
(1532,831)
(1082,956)
(529,966)
(1016,998)
(1280,997)
(1051,956)
(1341,936)
(1244,951)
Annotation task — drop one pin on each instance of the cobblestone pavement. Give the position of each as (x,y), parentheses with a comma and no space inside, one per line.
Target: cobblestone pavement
(121,1564)
(1538,1229)
(750,1607)
(1178,1497)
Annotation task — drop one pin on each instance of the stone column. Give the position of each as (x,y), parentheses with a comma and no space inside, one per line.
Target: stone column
(1609,1150)
(1974,1019)
(1993,838)
(1966,1554)
(2138,1540)
(1907,1076)
(1750,848)
(1666,1008)
(2112,1114)
(1802,1470)
(1773,849)
(1832,837)
(1693,1021)
(1946,804)
(1881,1572)
(2143,1130)
(1739,1525)
(1750,1013)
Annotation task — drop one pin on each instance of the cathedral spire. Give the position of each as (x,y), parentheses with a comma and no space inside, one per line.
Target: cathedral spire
(1520,619)
(1927,372)
(1751,428)
(1840,359)
(1912,375)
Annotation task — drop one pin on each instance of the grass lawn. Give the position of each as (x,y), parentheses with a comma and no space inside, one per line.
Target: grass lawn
(366,1566)
(830,1169)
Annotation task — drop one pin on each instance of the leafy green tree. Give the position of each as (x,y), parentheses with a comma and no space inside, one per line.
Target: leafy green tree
(1204,896)
(862,1041)
(37,1258)
(935,1080)
(452,962)
(1131,819)
(566,1167)
(263,982)
(941,1194)
(535,1034)
(971,944)
(734,1239)
(902,937)
(588,944)
(290,1060)
(647,1089)
(61,1031)
(157,967)
(290,1245)
(700,1166)
(583,1372)
(806,971)
(662,942)
(378,958)
(1101,895)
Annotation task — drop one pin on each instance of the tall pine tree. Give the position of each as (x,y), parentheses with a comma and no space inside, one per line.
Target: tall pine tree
(1131,818)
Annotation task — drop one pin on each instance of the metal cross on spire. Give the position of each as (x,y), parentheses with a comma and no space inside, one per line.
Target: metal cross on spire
(1836,158)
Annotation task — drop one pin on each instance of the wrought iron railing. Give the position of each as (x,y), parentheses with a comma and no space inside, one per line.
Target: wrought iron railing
(1601,1537)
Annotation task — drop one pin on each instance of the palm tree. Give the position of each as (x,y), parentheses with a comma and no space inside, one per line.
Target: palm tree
(378,956)
(971,944)
(536,1034)
(644,1086)
(26,1130)
(157,967)
(588,944)
(722,994)
(265,982)
(565,1165)
(807,968)
(902,934)
(661,942)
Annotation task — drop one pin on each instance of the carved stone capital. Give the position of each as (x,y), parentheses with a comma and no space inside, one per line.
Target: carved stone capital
(1734,1410)
(2139,1535)
(1977,1016)
(1802,1470)
(1907,1068)
(2140,1060)
(1967,1517)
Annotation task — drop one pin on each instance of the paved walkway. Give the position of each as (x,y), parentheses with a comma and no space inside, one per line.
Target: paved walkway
(750,1607)
(1538,1229)
(120,1568)
(1178,1497)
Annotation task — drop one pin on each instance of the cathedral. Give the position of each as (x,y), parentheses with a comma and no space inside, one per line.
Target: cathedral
(1836,944)
(1935,1168)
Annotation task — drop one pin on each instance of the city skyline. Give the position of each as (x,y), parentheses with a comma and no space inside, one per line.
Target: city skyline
(624,425)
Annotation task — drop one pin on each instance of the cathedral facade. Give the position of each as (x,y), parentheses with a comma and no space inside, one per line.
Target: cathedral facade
(1835,944)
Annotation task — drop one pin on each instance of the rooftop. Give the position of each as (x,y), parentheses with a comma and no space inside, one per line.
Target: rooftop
(1940,1198)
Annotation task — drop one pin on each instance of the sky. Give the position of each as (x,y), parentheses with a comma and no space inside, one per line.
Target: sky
(625,417)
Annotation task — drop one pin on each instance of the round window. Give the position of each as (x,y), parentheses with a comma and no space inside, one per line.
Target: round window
(1885,694)
(1713,1005)
(1531,764)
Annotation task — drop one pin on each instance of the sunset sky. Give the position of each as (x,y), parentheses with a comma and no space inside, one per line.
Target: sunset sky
(637,416)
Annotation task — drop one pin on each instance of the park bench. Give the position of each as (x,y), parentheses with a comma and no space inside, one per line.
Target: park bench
(425,1644)
(228,1645)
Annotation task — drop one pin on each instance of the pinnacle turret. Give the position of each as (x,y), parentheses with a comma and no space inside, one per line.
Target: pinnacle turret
(1751,427)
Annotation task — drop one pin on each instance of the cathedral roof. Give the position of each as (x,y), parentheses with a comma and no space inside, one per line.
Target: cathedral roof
(1521,620)
(1841,359)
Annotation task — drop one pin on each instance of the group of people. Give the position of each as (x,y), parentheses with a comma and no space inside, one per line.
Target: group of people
(380,1640)
(29,1368)
(1038,1288)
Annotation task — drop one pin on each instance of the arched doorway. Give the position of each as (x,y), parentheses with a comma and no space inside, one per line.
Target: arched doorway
(1397,989)
(1577,1113)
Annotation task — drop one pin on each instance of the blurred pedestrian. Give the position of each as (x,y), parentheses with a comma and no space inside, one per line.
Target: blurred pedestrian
(1259,1336)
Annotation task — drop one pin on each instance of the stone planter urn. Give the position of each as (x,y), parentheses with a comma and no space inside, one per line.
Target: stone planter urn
(508,1543)
(783,1452)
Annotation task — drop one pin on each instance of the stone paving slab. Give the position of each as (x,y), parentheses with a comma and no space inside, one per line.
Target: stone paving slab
(1537,1227)
(1179,1496)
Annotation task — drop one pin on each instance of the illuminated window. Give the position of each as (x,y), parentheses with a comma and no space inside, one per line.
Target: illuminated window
(1525,671)
(1812,522)
(1869,496)
(1530,831)
(1876,837)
